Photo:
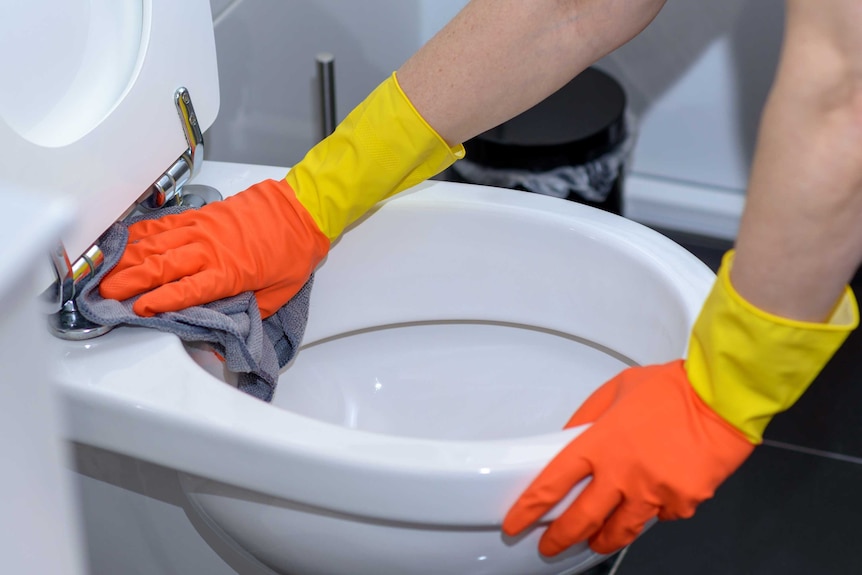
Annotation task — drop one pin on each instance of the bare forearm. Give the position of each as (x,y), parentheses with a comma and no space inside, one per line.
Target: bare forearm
(800,239)
(498,58)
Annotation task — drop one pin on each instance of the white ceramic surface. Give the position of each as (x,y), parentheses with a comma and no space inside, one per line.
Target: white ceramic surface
(38,507)
(91,113)
(483,265)
(458,380)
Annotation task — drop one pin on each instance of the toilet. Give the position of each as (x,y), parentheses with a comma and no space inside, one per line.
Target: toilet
(451,334)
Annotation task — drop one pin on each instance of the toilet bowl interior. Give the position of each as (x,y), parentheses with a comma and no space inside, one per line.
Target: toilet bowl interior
(455,380)
(449,380)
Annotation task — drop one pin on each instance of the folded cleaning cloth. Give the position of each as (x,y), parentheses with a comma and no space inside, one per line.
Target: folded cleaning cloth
(254,349)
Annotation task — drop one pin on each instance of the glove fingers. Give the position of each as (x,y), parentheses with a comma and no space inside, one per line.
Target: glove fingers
(147,228)
(153,271)
(626,523)
(596,404)
(170,239)
(582,519)
(198,289)
(552,484)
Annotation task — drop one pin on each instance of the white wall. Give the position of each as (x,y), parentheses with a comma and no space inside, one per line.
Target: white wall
(266,50)
(697,79)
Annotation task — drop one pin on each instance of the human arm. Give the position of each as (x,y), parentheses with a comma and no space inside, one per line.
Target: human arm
(498,58)
(778,311)
(800,239)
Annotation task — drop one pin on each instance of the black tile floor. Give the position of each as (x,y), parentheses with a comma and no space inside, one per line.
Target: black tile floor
(793,508)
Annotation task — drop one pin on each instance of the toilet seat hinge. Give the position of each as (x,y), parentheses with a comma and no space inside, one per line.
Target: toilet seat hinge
(65,321)
(167,189)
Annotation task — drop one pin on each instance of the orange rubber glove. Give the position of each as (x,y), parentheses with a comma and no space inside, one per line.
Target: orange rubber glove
(212,254)
(655,449)
(664,437)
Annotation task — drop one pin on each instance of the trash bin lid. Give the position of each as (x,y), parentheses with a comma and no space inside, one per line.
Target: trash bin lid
(581,121)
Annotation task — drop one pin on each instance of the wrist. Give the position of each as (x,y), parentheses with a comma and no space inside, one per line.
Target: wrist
(381,148)
(748,365)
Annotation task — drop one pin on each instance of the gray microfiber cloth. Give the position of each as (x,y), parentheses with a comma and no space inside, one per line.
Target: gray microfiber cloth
(255,349)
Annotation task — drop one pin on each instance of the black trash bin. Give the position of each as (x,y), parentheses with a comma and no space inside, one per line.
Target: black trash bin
(572,145)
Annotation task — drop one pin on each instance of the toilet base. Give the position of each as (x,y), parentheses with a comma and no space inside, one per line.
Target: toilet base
(135,513)
(295,539)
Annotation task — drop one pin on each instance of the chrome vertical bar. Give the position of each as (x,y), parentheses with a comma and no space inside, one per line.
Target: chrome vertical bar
(326,80)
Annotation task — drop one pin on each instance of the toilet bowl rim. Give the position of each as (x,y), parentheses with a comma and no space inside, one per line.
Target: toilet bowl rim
(144,417)
(348,471)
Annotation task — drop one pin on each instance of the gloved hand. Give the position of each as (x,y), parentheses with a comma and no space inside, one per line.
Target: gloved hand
(663,438)
(269,238)
(654,449)
(260,240)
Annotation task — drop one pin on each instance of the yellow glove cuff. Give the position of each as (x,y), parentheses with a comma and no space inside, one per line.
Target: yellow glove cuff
(381,148)
(749,365)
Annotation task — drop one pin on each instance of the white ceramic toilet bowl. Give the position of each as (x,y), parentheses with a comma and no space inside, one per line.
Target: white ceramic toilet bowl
(450,337)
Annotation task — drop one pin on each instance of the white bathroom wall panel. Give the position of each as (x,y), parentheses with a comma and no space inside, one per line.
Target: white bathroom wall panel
(135,521)
(270,112)
(219,7)
(687,135)
(434,14)
(697,79)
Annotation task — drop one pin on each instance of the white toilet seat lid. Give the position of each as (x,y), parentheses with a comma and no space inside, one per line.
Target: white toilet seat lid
(90,114)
